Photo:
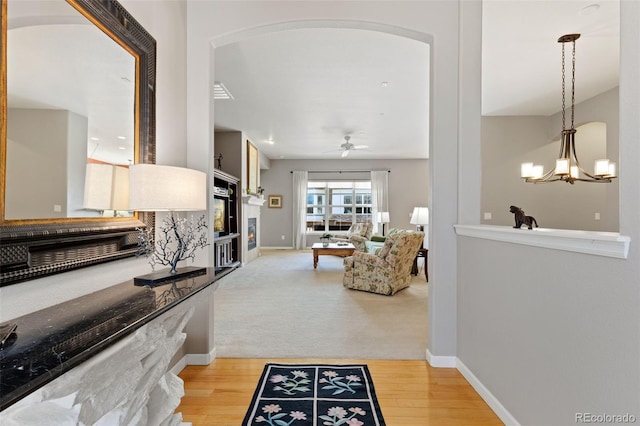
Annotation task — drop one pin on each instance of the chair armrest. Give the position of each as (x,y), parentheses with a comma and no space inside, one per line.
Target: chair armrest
(368,259)
(358,238)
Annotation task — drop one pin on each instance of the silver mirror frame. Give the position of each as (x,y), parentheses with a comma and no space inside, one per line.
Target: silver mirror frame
(32,249)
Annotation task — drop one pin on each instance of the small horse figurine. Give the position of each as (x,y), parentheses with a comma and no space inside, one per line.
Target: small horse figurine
(521,218)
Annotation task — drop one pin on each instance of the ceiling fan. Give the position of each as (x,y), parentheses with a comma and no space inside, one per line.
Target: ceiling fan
(348,146)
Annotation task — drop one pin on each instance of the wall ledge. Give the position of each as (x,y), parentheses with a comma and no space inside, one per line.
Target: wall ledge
(253,200)
(608,244)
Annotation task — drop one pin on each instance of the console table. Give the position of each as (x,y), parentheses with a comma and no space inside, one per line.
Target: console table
(101,358)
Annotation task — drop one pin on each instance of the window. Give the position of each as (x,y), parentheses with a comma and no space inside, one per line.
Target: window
(336,205)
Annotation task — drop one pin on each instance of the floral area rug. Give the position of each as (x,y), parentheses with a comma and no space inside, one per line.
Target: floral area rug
(314,394)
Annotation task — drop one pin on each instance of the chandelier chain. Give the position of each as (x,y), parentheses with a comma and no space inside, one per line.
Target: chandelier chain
(563,97)
(573,83)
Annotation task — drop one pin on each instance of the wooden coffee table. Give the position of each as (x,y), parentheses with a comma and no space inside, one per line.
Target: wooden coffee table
(332,249)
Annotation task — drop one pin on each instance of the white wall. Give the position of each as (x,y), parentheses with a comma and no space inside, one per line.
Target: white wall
(552,333)
(408,188)
(215,23)
(36,176)
(509,141)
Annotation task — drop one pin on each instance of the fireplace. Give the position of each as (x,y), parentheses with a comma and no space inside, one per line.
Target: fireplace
(252,234)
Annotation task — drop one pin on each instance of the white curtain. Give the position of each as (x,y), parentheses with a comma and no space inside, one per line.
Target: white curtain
(379,195)
(300,179)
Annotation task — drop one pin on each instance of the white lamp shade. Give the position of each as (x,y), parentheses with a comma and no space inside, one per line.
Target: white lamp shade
(537,171)
(602,167)
(526,170)
(383,217)
(166,188)
(420,216)
(562,166)
(106,187)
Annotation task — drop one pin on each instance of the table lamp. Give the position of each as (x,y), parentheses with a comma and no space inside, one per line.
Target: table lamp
(173,189)
(420,217)
(383,217)
(106,187)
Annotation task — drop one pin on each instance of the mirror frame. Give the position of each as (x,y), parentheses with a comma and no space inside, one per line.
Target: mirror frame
(34,248)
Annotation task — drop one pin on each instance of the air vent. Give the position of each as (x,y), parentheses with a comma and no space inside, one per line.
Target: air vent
(220,92)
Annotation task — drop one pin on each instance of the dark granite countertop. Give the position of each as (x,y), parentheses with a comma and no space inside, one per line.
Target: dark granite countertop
(50,342)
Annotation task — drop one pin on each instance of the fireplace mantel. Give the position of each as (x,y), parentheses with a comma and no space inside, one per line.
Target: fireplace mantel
(253,200)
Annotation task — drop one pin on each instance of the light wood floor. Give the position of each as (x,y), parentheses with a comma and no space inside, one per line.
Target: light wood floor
(411,393)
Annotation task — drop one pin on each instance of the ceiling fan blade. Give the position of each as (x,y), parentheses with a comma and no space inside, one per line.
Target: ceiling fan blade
(361,146)
(344,153)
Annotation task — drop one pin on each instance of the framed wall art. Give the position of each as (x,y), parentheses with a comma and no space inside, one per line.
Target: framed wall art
(252,168)
(274,201)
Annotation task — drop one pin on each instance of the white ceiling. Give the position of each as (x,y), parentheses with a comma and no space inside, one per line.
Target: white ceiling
(306,89)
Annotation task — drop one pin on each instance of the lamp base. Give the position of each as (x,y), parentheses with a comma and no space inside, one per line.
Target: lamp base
(161,277)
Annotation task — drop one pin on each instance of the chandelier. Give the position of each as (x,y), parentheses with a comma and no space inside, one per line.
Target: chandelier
(568,168)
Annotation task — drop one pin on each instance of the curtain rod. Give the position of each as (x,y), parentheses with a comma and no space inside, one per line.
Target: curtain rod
(344,171)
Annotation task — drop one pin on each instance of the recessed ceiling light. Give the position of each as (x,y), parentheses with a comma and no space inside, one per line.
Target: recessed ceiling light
(221,92)
(384,84)
(93,138)
(270,141)
(589,10)
(122,148)
(122,138)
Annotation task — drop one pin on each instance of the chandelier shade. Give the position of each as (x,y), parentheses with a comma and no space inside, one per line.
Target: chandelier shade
(568,167)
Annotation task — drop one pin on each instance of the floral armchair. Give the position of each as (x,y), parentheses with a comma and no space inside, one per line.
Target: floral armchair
(389,270)
(357,234)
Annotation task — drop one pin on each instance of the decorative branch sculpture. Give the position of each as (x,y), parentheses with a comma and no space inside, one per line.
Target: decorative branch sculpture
(179,240)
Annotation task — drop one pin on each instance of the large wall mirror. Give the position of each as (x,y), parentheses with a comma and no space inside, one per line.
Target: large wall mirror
(78,84)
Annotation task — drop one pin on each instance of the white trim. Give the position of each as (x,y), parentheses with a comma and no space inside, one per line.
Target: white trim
(485,394)
(441,361)
(201,359)
(179,366)
(277,248)
(193,359)
(609,244)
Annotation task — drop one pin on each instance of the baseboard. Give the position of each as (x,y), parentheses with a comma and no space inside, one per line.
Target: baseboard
(441,361)
(194,359)
(277,248)
(179,366)
(485,394)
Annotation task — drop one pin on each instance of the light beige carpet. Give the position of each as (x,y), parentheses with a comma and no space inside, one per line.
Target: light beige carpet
(278,306)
